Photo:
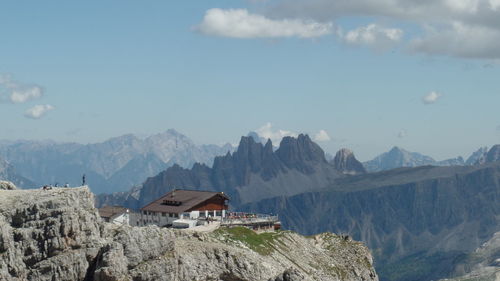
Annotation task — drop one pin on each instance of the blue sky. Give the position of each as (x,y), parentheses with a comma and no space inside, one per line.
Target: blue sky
(214,70)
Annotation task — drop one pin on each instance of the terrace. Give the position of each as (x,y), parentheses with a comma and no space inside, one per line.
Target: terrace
(251,220)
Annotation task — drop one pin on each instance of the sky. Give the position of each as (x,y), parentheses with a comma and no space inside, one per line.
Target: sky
(361,74)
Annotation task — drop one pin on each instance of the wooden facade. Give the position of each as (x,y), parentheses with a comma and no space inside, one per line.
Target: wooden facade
(216,203)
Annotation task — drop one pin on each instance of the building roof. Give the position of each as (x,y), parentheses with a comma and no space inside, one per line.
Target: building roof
(111,211)
(180,201)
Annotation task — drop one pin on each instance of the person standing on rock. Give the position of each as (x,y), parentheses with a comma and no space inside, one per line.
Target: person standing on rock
(83,180)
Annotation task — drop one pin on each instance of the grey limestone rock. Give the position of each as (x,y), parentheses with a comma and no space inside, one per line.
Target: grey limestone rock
(57,235)
(346,163)
(7,185)
(494,154)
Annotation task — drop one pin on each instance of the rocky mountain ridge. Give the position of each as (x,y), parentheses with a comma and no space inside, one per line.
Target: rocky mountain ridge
(399,158)
(345,162)
(113,165)
(58,235)
(8,173)
(482,264)
(253,172)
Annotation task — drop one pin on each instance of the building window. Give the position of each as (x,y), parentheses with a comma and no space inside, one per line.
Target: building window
(163,214)
(218,213)
(145,212)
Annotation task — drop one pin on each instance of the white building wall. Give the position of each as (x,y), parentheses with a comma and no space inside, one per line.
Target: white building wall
(120,219)
(166,219)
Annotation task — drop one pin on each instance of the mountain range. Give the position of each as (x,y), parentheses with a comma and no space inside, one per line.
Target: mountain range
(113,165)
(253,172)
(8,173)
(423,219)
(120,163)
(420,222)
(398,158)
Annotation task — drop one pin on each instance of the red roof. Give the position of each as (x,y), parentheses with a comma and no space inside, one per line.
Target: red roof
(180,201)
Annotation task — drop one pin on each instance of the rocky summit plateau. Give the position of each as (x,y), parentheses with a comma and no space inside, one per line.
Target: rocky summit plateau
(58,235)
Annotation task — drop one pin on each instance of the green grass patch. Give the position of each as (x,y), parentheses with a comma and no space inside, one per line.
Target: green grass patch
(262,243)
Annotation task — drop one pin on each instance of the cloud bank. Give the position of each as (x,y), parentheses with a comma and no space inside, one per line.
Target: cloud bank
(268,132)
(38,111)
(456,28)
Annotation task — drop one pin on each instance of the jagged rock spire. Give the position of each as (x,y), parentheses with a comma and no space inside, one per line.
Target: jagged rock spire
(346,163)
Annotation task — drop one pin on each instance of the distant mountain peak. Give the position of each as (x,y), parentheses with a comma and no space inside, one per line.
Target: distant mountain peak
(111,165)
(398,157)
(478,157)
(172,131)
(298,152)
(126,138)
(346,163)
(397,148)
(494,154)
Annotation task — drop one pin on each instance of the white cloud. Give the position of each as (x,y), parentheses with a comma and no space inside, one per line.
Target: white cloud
(456,28)
(374,35)
(402,134)
(18,92)
(431,98)
(460,40)
(38,111)
(321,136)
(268,132)
(239,23)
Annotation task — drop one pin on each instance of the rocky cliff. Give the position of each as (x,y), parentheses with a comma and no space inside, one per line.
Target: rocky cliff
(419,222)
(58,235)
(483,264)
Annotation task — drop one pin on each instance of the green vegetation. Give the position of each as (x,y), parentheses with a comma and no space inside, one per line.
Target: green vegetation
(420,267)
(263,243)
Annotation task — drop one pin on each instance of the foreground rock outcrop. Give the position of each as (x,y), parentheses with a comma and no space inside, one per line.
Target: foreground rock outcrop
(7,185)
(58,235)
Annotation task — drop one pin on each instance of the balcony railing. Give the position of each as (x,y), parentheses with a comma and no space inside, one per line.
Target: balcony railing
(240,218)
